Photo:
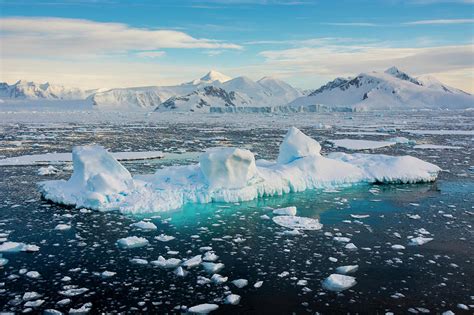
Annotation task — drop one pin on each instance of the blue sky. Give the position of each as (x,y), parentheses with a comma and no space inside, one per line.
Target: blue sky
(113,43)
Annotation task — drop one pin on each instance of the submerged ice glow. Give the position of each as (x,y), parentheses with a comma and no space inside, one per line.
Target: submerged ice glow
(100,182)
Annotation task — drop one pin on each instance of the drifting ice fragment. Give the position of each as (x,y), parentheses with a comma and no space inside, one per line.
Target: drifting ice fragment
(132,242)
(347,269)
(297,223)
(285,211)
(203,308)
(336,282)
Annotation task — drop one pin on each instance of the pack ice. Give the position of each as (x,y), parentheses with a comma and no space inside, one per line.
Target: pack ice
(100,182)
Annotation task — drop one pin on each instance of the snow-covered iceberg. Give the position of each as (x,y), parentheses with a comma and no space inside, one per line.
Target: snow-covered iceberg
(100,182)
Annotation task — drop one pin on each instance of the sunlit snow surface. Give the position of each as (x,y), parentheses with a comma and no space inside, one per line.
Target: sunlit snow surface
(283,270)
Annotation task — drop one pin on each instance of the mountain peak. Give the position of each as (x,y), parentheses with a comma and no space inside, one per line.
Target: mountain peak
(395,72)
(213,75)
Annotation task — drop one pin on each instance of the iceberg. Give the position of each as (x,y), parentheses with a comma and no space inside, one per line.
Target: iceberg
(100,182)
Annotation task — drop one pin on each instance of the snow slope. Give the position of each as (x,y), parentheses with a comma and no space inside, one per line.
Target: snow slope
(392,89)
(100,182)
(32,91)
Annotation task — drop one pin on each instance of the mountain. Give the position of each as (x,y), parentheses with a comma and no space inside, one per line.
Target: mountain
(202,99)
(238,92)
(31,90)
(392,89)
(212,90)
(153,96)
(210,77)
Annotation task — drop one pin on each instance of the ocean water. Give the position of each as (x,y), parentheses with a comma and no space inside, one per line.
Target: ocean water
(432,277)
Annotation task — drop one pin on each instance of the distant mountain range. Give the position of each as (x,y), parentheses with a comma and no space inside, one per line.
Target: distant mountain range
(392,89)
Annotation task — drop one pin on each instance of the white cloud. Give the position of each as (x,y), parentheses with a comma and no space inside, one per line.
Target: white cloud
(151,54)
(52,37)
(441,22)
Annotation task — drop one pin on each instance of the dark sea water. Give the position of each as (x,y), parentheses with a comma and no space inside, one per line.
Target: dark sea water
(434,277)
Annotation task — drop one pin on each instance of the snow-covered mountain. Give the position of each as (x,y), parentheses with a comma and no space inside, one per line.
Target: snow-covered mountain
(196,95)
(203,99)
(153,96)
(238,92)
(392,89)
(31,90)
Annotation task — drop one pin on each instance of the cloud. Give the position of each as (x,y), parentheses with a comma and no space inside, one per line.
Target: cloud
(150,54)
(441,22)
(53,37)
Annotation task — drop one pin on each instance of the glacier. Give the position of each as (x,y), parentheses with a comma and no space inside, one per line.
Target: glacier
(227,174)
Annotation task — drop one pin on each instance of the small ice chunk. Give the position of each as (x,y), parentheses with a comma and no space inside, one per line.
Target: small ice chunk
(73,292)
(132,242)
(203,308)
(218,279)
(33,274)
(62,227)
(144,225)
(337,282)
(240,283)
(299,223)
(3,261)
(47,170)
(11,247)
(341,239)
(28,296)
(258,284)
(350,246)
(164,238)
(210,256)
(192,262)
(232,299)
(291,211)
(84,309)
(420,240)
(107,274)
(360,216)
(139,261)
(180,272)
(166,263)
(36,303)
(398,247)
(347,269)
(212,267)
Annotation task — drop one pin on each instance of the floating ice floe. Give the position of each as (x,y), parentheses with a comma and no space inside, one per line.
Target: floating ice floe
(420,240)
(232,299)
(144,225)
(203,308)
(100,182)
(36,159)
(47,170)
(132,242)
(355,144)
(15,247)
(285,211)
(347,269)
(337,282)
(436,147)
(297,223)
